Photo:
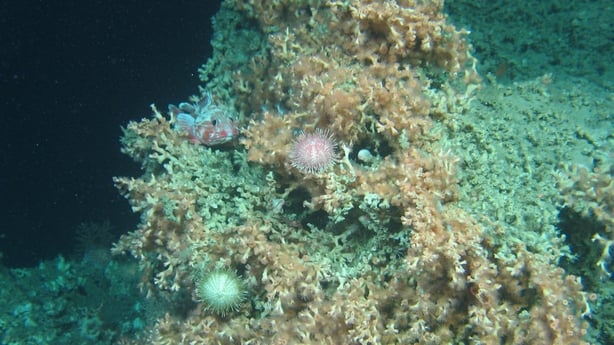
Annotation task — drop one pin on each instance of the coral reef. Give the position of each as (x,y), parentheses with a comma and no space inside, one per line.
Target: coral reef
(374,250)
(71,302)
(591,193)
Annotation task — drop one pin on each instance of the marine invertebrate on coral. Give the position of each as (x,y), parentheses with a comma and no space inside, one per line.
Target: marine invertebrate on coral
(313,152)
(222,291)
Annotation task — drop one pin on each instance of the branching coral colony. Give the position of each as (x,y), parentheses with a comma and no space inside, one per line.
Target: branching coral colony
(371,250)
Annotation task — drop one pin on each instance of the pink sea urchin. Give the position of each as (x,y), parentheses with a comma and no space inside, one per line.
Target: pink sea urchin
(313,152)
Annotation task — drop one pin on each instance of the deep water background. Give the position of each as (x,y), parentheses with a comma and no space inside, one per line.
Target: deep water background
(71,73)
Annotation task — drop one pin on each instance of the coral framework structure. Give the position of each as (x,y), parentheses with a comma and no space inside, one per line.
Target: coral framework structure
(373,249)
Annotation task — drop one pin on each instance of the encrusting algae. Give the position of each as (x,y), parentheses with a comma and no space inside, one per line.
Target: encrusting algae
(369,250)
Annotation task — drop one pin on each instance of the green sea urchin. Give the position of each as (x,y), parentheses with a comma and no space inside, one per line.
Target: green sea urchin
(222,291)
